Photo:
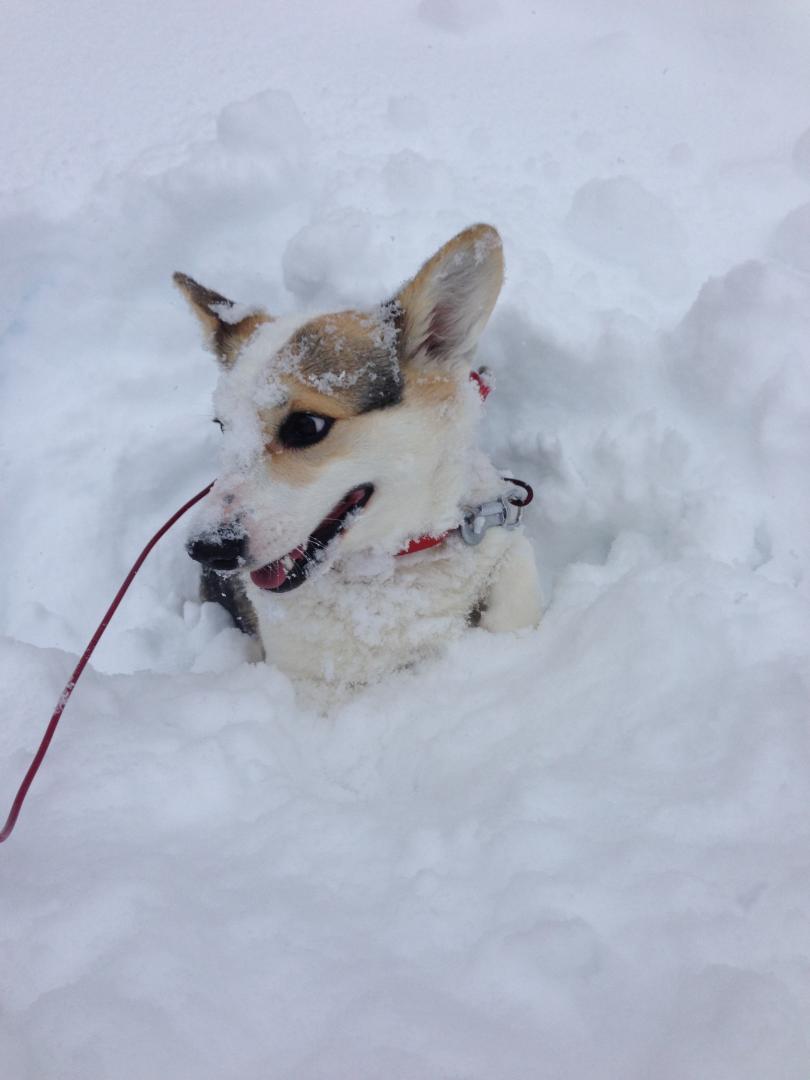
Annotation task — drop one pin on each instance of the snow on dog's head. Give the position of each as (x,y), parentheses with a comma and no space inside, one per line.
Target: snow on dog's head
(355,424)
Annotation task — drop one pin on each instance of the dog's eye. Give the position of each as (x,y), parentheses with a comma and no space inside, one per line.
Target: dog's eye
(304,429)
(217,420)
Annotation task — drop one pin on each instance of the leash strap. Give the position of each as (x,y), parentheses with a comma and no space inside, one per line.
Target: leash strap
(64,697)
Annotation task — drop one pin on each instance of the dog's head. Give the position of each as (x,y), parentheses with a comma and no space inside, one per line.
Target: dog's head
(355,424)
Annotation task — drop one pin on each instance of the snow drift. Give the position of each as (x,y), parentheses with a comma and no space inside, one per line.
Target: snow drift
(579,852)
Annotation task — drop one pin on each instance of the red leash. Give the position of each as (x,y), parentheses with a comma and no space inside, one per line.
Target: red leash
(33,768)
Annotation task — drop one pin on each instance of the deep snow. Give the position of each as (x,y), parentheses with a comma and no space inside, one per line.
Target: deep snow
(579,852)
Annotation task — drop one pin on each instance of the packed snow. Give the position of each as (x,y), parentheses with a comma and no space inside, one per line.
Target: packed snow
(577,852)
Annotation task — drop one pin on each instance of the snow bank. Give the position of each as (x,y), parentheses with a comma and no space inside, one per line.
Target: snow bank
(580,852)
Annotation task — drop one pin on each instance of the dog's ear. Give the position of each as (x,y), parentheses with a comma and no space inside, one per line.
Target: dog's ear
(226,325)
(443,310)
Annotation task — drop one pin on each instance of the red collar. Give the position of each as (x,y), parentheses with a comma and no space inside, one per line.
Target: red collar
(422,543)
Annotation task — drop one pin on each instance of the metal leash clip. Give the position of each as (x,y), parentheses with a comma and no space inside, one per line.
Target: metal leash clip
(503,512)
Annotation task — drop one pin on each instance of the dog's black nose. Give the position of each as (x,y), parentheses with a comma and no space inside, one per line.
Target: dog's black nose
(223,548)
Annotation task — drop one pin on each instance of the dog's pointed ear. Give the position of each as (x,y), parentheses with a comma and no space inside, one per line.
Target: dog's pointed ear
(443,310)
(226,325)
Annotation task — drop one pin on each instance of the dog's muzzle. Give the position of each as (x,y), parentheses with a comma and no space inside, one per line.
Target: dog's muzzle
(223,548)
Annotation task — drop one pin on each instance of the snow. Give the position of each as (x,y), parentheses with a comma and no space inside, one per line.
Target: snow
(621,221)
(577,852)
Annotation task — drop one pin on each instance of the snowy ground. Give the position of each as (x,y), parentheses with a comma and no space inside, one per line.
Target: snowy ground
(582,852)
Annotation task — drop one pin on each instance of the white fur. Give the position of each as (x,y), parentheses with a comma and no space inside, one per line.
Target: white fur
(366,617)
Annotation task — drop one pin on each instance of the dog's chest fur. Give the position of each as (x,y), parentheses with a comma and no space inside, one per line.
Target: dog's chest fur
(372,615)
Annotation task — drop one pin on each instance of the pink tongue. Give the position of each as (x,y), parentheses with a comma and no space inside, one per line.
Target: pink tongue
(270,576)
(274,574)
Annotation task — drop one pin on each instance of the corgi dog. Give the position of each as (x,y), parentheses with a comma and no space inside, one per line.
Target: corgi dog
(347,527)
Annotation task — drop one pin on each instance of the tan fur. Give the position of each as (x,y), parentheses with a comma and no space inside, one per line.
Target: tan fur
(224,338)
(451,284)
(348,355)
(301,467)
(429,388)
(303,398)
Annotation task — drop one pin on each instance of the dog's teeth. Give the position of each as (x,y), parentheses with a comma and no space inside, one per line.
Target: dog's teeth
(287,563)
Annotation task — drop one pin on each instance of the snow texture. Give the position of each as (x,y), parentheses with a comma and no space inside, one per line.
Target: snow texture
(578,852)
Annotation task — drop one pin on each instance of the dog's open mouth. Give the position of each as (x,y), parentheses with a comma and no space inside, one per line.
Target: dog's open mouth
(293,569)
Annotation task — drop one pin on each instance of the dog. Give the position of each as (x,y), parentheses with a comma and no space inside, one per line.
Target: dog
(348,525)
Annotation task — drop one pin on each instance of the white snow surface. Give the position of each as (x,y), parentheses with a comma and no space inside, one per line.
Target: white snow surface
(581,852)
